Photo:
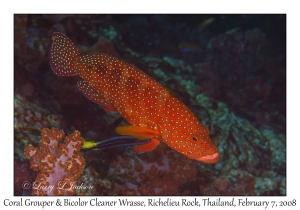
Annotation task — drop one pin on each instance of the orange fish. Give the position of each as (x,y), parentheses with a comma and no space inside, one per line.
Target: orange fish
(150,109)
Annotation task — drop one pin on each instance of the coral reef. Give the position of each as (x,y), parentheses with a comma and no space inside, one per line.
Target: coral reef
(160,173)
(29,118)
(22,174)
(232,75)
(59,165)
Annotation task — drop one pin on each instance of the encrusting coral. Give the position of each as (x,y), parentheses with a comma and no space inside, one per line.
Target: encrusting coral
(59,165)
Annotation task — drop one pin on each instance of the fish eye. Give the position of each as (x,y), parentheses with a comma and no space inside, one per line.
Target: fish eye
(195,138)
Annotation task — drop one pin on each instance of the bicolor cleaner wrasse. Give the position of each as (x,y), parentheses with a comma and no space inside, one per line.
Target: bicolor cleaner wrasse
(150,109)
(117,141)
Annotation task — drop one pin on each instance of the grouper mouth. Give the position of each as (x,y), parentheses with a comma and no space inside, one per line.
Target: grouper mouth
(210,158)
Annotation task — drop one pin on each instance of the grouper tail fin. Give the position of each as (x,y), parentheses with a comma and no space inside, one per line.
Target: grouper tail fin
(64,55)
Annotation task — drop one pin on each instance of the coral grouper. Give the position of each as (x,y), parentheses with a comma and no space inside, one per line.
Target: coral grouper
(150,109)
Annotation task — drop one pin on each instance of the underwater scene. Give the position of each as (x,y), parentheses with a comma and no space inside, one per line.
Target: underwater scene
(153,104)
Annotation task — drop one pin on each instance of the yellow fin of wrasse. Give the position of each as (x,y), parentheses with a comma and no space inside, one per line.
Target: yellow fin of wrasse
(138,132)
(89,144)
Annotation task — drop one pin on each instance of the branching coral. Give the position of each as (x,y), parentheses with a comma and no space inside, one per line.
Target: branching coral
(60,165)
